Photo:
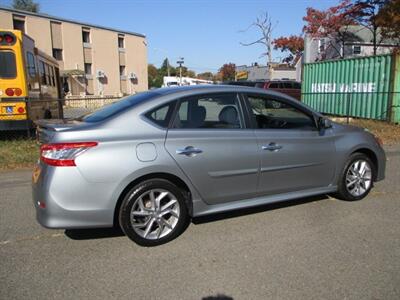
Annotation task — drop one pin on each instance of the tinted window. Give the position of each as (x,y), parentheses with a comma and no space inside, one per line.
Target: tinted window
(260,85)
(161,115)
(287,85)
(31,64)
(273,114)
(42,73)
(8,68)
(274,85)
(117,107)
(297,85)
(219,111)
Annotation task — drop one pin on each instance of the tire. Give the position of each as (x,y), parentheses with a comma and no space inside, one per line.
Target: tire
(150,224)
(349,180)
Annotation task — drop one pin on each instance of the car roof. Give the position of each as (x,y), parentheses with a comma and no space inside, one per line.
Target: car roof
(203,89)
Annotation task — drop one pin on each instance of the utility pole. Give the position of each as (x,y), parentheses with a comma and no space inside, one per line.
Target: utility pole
(180,63)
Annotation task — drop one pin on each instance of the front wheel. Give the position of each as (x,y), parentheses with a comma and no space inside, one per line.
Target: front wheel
(357,178)
(153,212)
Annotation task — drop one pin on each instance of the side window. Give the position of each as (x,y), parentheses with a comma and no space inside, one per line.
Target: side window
(31,64)
(287,85)
(271,113)
(161,115)
(274,85)
(53,83)
(47,73)
(297,85)
(42,73)
(219,111)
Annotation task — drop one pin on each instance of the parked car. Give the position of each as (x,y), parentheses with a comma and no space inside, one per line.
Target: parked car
(243,83)
(288,87)
(150,162)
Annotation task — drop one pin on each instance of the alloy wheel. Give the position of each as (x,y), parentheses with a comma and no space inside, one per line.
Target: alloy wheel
(155,214)
(358,178)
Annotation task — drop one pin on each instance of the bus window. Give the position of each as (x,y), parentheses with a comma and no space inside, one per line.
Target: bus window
(47,73)
(52,76)
(31,65)
(41,73)
(8,68)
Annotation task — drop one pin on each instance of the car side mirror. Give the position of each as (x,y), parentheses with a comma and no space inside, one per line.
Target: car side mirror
(324,123)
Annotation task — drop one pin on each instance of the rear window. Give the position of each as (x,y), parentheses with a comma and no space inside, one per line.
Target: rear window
(117,107)
(8,67)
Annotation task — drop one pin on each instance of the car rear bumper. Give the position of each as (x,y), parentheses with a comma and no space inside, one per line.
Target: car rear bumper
(63,199)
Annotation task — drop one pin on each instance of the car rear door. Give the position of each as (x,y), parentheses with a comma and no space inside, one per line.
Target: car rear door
(294,155)
(210,143)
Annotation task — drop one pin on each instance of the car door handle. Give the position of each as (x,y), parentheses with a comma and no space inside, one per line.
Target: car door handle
(272,147)
(189,151)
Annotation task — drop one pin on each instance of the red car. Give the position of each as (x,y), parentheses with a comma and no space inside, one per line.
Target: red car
(288,87)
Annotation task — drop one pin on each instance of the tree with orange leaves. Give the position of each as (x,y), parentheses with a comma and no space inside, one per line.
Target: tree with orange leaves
(293,44)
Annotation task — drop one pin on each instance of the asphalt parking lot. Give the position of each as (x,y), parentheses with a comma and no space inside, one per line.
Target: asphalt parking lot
(315,248)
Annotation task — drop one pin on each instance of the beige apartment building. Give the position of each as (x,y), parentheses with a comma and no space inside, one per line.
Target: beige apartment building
(94,60)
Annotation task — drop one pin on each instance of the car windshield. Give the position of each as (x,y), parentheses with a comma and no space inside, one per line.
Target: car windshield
(117,107)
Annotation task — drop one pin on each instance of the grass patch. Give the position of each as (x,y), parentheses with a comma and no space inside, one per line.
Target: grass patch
(388,132)
(19,153)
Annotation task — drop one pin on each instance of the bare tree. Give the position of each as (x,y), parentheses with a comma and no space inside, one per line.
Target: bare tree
(264,24)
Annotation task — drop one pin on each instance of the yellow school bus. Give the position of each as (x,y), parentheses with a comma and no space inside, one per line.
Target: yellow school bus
(29,80)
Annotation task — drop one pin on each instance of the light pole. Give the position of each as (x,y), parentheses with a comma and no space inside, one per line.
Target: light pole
(180,62)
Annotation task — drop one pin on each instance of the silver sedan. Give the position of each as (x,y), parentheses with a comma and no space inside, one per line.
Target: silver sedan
(150,162)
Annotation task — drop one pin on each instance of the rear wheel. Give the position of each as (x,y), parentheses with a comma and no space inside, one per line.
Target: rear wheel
(154,212)
(357,178)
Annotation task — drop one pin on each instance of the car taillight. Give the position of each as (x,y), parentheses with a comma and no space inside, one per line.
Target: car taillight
(63,154)
(9,92)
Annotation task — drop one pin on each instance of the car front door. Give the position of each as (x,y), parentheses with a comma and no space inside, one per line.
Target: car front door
(294,154)
(209,142)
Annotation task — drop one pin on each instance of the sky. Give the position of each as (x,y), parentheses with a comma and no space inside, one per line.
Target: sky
(207,33)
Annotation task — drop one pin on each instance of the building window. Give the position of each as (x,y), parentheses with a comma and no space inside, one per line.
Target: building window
(321,45)
(122,70)
(57,54)
(356,49)
(88,69)
(86,35)
(19,23)
(121,41)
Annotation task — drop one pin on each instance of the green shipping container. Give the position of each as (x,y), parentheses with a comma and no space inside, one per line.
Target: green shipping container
(366,87)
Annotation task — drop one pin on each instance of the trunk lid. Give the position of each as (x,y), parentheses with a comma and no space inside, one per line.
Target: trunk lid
(47,129)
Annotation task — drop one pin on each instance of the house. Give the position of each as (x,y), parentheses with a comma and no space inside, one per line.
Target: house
(353,41)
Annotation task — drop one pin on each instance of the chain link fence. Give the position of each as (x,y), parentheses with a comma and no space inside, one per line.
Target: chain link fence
(17,118)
